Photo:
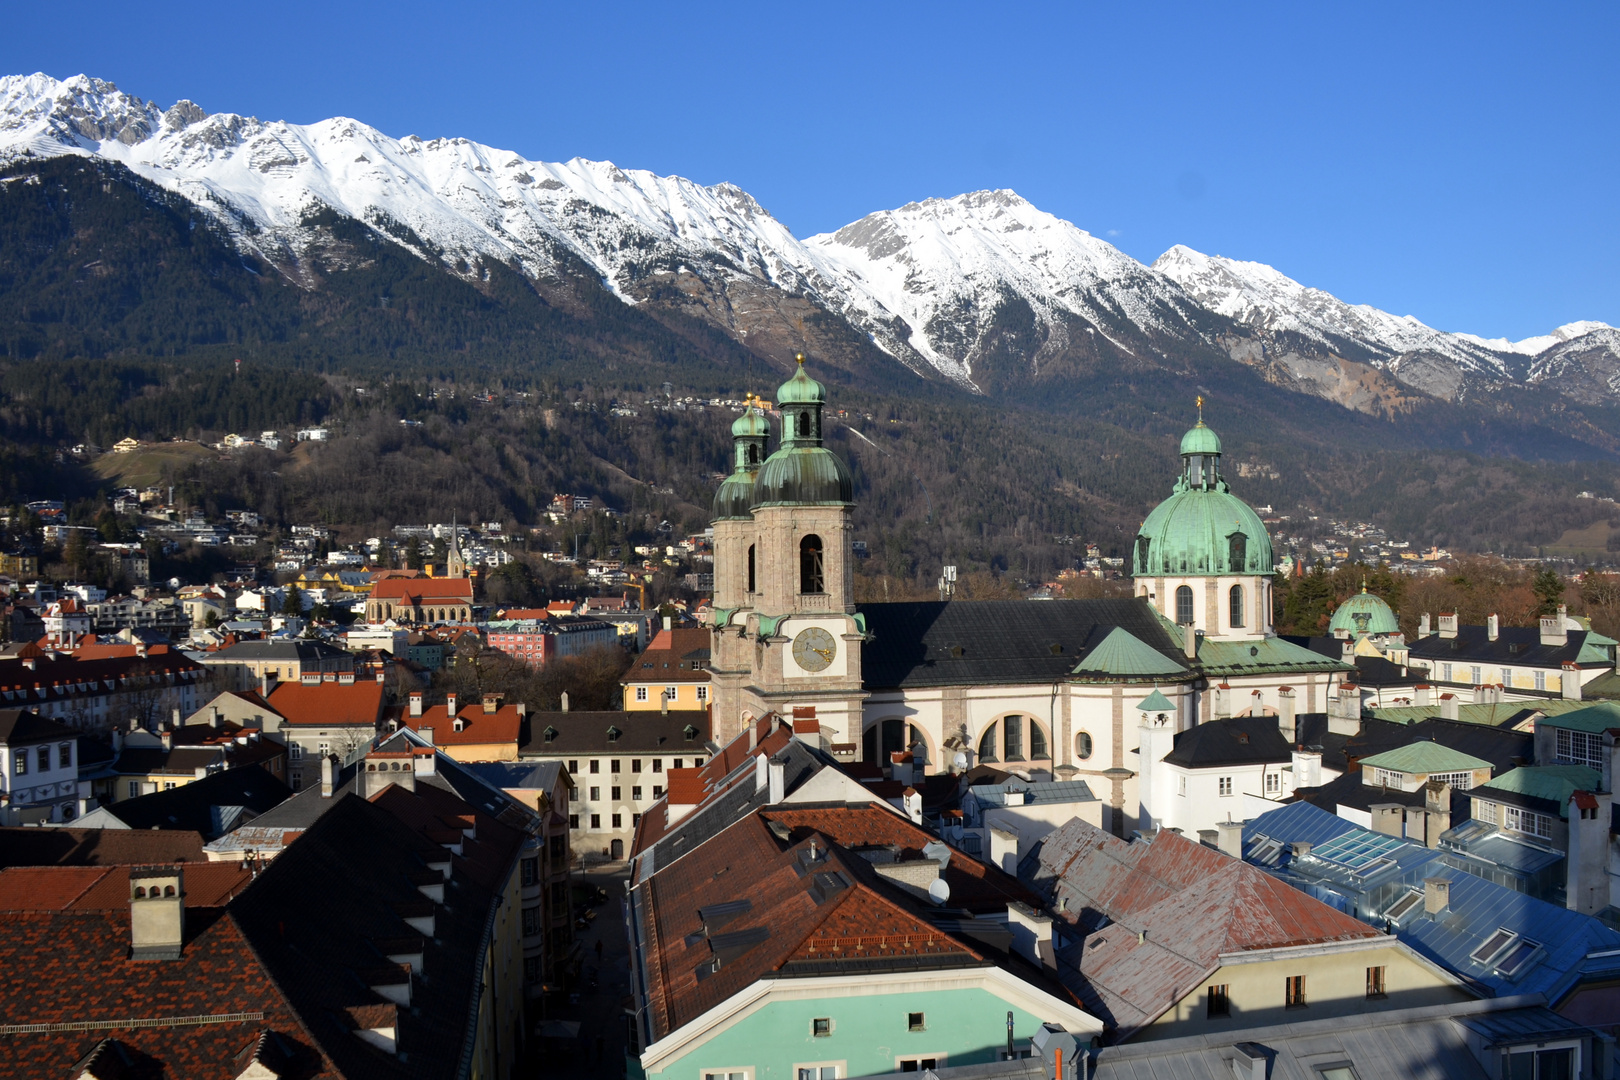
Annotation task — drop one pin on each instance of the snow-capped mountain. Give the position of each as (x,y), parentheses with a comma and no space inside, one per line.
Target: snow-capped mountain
(981,289)
(1258,296)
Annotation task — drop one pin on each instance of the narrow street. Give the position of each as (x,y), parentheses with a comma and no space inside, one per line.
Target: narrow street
(602,994)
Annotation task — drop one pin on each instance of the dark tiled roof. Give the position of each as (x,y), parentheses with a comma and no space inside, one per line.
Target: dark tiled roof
(1311,729)
(1350,790)
(1237,740)
(98,847)
(304,651)
(1515,646)
(988,642)
(642,732)
(197,806)
(19,727)
(1502,747)
(315,914)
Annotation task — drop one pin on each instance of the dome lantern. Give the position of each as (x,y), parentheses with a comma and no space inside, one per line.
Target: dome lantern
(1202,528)
(802,471)
(749,434)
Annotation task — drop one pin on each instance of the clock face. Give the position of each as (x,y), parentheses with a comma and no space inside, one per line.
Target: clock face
(814,648)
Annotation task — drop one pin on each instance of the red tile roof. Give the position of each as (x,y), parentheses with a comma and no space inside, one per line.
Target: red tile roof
(329,703)
(98,847)
(1175,908)
(783,914)
(425,589)
(478,727)
(976,886)
(106,888)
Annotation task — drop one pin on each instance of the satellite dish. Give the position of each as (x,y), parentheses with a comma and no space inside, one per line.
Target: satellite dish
(938,891)
(960,761)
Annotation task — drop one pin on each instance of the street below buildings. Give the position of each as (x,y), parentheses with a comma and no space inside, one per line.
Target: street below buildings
(600,1001)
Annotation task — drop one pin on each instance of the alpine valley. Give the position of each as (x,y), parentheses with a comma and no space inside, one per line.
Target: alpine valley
(132,232)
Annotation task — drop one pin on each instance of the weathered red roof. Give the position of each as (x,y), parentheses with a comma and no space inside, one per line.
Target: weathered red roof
(454,589)
(499,727)
(106,888)
(331,704)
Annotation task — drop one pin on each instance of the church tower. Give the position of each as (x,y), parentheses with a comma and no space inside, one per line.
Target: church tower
(736,568)
(796,639)
(1203,557)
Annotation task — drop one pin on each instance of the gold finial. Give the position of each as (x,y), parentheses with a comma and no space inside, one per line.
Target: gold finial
(1200,408)
(800,358)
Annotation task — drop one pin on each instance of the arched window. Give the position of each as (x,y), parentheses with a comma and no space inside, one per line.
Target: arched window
(751,568)
(987,744)
(753,453)
(1082,745)
(1235,598)
(1142,543)
(801,425)
(1184,605)
(1037,742)
(1012,738)
(888,737)
(811,579)
(1237,552)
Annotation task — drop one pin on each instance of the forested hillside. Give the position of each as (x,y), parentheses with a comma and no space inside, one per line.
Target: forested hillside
(122,310)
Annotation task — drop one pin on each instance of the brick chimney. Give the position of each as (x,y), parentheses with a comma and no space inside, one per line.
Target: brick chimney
(157,913)
(1436,895)
(492,704)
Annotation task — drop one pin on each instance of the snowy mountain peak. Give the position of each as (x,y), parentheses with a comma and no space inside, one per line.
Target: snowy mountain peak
(946,283)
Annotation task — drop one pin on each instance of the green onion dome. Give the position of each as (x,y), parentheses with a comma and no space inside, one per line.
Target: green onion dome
(749,434)
(802,471)
(1364,614)
(1202,528)
(801,389)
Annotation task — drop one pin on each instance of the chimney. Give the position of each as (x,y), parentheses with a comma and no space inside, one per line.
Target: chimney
(1571,682)
(216,718)
(1257,704)
(168,739)
(1031,929)
(1448,706)
(416,703)
(1587,872)
(1231,837)
(1437,810)
(31,663)
(911,802)
(565,701)
(157,913)
(1250,1061)
(1189,642)
(1388,819)
(267,683)
(1004,848)
(1493,627)
(1553,629)
(1423,695)
(668,620)
(450,703)
(1436,895)
(776,783)
(1307,768)
(1286,722)
(1448,624)
(174,718)
(328,775)
(1223,701)
(663,707)
(492,704)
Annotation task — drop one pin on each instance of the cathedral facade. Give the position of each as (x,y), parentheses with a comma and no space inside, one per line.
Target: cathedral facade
(1067,689)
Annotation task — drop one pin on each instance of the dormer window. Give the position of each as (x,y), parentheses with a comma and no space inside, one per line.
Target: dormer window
(613,734)
(690,732)
(550,734)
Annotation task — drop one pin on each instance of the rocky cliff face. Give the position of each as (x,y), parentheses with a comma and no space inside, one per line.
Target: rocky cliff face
(983,290)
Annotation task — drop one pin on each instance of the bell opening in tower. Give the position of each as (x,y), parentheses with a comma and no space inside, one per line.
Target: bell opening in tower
(811,579)
(802,425)
(751,587)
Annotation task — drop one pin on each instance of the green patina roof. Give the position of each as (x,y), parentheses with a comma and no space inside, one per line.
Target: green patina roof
(1200,440)
(1594,718)
(1364,613)
(1265,655)
(751,424)
(800,475)
(1191,531)
(1555,783)
(1155,702)
(770,625)
(735,498)
(801,389)
(1595,649)
(1121,653)
(1487,714)
(1425,757)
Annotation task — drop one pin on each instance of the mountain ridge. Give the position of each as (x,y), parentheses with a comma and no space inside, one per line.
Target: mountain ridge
(982,290)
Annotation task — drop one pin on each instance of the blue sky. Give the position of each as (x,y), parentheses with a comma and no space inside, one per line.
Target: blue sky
(1457,162)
